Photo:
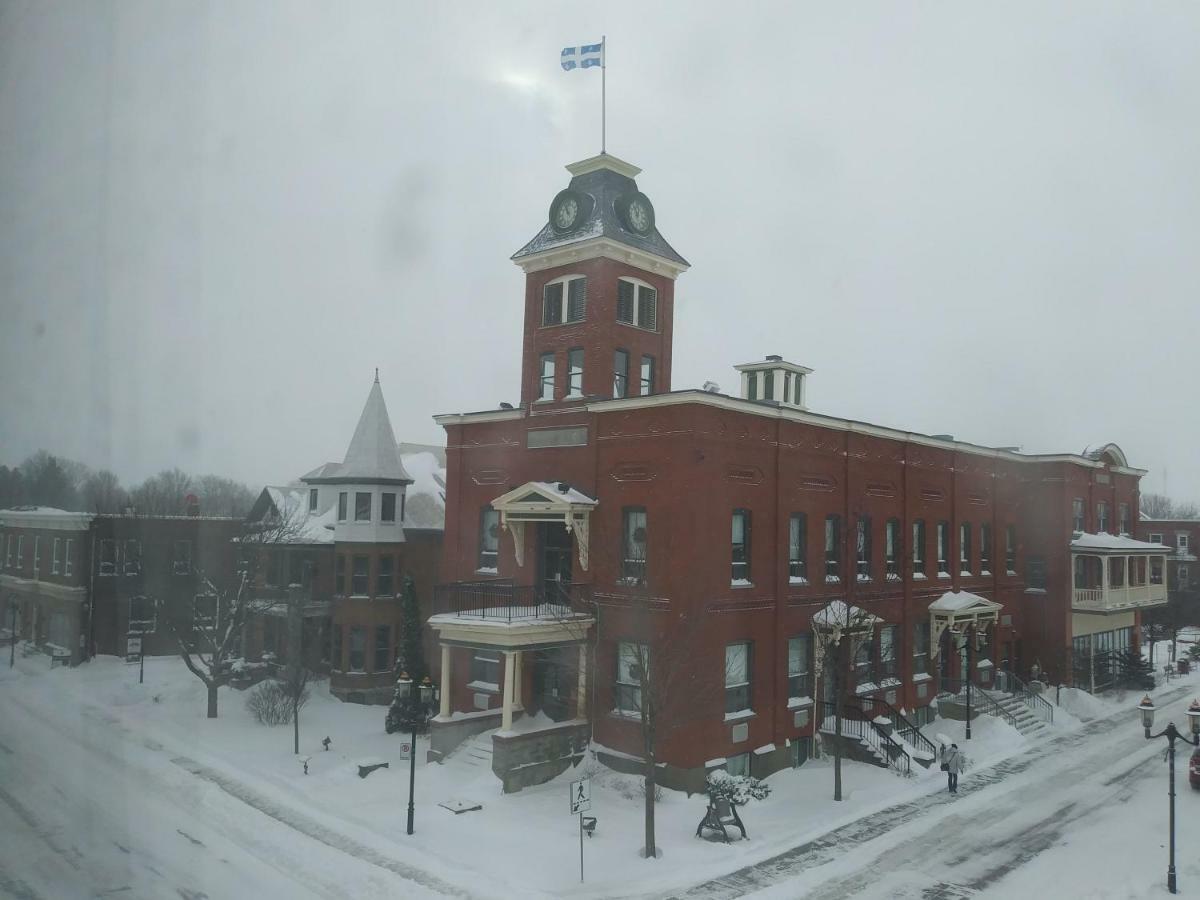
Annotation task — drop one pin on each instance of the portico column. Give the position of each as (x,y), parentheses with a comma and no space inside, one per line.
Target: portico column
(444,709)
(519,680)
(581,704)
(507,696)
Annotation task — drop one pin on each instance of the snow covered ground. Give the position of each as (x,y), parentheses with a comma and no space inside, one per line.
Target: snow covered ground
(108,785)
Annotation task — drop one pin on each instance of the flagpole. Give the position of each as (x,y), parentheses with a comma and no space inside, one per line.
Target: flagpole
(603,92)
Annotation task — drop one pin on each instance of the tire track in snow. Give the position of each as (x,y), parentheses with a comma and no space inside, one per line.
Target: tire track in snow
(315,830)
(840,841)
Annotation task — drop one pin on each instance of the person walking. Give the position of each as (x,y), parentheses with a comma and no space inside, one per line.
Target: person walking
(952,764)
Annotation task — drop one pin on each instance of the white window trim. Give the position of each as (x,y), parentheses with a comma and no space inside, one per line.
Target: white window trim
(637,305)
(68,564)
(542,381)
(566,294)
(56,559)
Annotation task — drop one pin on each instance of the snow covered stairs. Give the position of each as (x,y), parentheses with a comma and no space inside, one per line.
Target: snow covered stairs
(1026,720)
(476,752)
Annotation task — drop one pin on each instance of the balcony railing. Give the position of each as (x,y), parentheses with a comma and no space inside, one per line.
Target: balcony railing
(503,601)
(1118,598)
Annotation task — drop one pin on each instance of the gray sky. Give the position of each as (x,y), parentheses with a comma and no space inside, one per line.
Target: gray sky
(219,217)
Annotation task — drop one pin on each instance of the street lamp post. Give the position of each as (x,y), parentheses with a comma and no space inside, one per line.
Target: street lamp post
(418,709)
(12,653)
(1172,734)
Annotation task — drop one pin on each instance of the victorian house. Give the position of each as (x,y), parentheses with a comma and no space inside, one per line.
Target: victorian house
(333,553)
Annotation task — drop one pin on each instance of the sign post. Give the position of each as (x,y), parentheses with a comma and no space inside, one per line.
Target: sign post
(581,801)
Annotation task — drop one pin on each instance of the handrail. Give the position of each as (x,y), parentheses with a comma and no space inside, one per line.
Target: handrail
(1034,701)
(861,727)
(506,601)
(980,699)
(900,724)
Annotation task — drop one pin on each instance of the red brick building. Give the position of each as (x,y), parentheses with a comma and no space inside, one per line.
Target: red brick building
(346,538)
(610,512)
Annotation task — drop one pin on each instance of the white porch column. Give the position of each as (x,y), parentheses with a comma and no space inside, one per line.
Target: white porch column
(444,708)
(518,680)
(507,696)
(581,702)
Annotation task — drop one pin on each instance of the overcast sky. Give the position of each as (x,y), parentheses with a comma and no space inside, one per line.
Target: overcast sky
(217,218)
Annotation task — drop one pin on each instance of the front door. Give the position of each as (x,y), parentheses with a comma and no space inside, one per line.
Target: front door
(554,558)
(549,684)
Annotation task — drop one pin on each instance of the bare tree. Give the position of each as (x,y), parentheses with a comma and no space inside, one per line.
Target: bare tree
(1157,506)
(295,686)
(209,635)
(164,494)
(839,630)
(101,492)
(660,685)
(223,496)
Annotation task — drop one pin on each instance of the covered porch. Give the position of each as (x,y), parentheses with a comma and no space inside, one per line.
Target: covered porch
(1115,574)
(962,629)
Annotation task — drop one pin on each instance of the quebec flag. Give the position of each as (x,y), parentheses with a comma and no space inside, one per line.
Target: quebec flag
(583,57)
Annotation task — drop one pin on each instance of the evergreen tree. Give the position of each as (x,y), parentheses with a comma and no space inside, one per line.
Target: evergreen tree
(410,660)
(1134,671)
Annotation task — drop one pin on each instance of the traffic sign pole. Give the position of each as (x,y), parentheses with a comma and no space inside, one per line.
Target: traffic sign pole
(581,847)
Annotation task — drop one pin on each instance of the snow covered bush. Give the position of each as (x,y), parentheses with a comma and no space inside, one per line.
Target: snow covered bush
(737,789)
(270,703)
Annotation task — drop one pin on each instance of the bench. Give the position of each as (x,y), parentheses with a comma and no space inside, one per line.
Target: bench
(719,814)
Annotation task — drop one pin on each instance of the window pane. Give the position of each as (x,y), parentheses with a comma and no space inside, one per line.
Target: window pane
(647,307)
(386,586)
(358,648)
(620,374)
(737,664)
(383,640)
(359,577)
(547,377)
(387,511)
(312,499)
(575,372)
(342,505)
(489,538)
(633,553)
(647,375)
(362,507)
(797,546)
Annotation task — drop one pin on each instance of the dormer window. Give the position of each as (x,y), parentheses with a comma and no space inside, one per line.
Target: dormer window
(564,300)
(637,304)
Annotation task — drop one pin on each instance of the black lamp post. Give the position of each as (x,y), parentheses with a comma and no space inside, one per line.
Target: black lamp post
(1172,734)
(12,653)
(966,636)
(418,710)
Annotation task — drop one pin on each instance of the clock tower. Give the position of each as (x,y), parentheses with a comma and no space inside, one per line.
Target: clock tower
(599,292)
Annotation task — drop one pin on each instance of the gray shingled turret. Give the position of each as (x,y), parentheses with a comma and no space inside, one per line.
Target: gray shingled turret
(373,454)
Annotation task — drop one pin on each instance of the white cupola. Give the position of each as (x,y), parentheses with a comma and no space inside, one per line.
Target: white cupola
(775,380)
(368,487)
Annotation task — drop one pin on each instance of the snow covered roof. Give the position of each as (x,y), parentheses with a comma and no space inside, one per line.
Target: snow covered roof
(45,517)
(602,180)
(962,601)
(1112,543)
(373,455)
(425,506)
(291,506)
(838,614)
(544,492)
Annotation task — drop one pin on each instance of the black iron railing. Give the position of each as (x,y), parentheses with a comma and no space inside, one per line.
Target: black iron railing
(856,723)
(956,689)
(901,726)
(504,601)
(1035,702)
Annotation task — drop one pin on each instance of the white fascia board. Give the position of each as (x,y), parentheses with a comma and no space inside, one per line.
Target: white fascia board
(774,364)
(490,415)
(604,161)
(600,247)
(767,411)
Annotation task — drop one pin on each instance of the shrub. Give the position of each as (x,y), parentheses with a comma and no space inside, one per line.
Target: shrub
(270,704)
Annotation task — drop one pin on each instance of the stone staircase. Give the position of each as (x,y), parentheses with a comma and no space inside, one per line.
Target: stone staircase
(1027,721)
(476,752)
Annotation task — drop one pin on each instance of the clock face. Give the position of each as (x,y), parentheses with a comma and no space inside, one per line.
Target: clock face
(568,210)
(639,216)
(566,213)
(636,212)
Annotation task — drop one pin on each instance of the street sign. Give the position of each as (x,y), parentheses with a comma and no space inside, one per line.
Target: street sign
(406,750)
(133,649)
(581,795)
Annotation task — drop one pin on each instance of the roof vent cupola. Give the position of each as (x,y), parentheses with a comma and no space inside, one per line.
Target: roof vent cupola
(775,380)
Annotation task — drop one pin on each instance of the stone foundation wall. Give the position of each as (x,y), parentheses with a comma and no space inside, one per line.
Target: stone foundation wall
(523,760)
(446,734)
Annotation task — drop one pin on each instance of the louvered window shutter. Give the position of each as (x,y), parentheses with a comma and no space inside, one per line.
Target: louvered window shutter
(576,299)
(625,291)
(648,309)
(552,304)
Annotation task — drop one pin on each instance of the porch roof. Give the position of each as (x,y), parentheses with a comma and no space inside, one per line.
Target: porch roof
(959,602)
(1116,544)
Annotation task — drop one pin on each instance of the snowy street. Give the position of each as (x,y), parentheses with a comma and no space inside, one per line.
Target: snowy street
(88,809)
(108,787)
(1092,802)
